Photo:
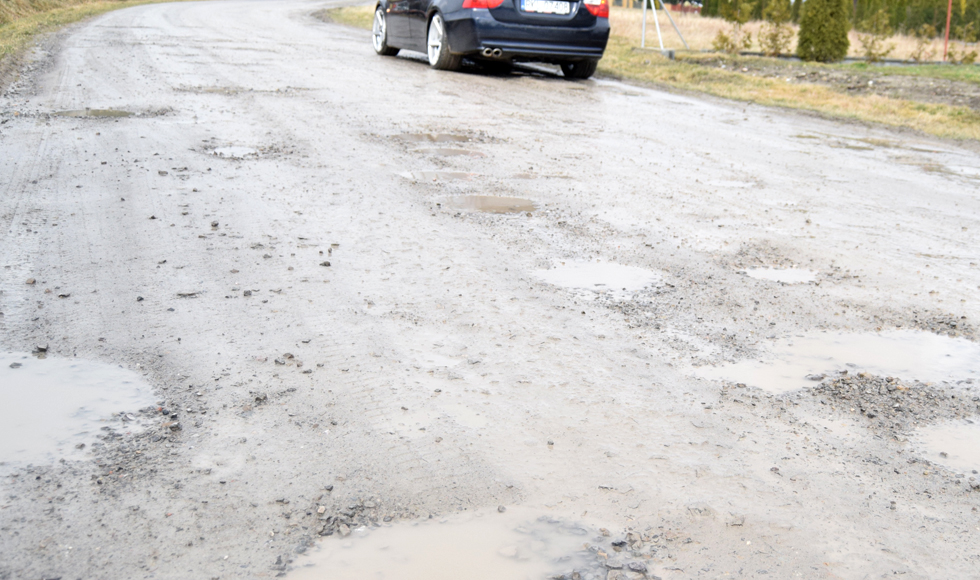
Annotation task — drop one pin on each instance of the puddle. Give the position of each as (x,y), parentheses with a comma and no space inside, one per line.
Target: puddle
(517,545)
(954,445)
(432,138)
(436,175)
(785,275)
(449,152)
(52,405)
(905,354)
(234,152)
(599,277)
(94,113)
(492,204)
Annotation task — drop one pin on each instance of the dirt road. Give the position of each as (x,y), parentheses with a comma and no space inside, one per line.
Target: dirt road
(275,240)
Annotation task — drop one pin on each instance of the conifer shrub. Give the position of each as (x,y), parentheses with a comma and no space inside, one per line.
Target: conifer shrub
(823,31)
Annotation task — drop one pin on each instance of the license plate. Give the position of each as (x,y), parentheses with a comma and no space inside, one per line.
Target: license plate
(546,6)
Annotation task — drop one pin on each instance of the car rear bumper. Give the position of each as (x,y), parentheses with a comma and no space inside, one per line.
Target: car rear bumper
(472,30)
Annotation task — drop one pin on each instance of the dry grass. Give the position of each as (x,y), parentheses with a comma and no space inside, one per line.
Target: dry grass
(941,120)
(358,16)
(22,20)
(700,31)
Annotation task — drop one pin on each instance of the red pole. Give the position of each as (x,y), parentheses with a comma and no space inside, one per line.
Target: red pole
(949,16)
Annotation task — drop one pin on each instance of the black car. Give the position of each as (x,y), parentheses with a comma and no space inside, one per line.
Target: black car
(570,33)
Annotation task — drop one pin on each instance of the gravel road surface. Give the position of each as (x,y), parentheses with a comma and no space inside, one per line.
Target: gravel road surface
(275,240)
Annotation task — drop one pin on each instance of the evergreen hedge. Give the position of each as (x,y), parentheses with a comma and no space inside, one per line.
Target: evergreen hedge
(823,30)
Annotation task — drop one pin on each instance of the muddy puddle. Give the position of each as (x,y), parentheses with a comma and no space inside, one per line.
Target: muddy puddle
(906,354)
(450,152)
(234,152)
(784,275)
(49,407)
(492,204)
(954,445)
(432,138)
(520,544)
(94,113)
(599,277)
(436,175)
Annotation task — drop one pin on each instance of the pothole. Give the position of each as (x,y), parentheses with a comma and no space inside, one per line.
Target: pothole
(492,204)
(450,152)
(235,152)
(432,138)
(94,113)
(52,406)
(436,175)
(954,445)
(599,277)
(485,545)
(798,362)
(784,275)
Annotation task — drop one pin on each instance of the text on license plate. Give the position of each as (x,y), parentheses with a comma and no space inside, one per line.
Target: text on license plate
(546,6)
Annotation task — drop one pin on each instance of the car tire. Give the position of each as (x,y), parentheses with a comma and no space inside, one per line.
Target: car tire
(379,32)
(579,69)
(437,46)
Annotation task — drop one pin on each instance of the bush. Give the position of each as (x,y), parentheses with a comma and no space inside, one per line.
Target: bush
(873,39)
(775,36)
(823,31)
(923,45)
(737,12)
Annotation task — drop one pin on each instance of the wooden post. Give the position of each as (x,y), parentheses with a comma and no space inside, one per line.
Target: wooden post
(949,17)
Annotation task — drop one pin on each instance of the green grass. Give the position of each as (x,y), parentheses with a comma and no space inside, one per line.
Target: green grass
(963,73)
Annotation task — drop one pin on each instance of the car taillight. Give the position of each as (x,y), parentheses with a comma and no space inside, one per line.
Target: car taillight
(598,8)
(488,4)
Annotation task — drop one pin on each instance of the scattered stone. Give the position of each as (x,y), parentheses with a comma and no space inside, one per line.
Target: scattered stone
(614,563)
(41,348)
(214,224)
(175,426)
(326,264)
(637,567)
(815,377)
(30,281)
(501,509)
(247,293)
(139,298)
(15,365)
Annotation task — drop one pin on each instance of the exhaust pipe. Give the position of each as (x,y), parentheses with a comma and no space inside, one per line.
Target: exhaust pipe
(497,53)
(488,52)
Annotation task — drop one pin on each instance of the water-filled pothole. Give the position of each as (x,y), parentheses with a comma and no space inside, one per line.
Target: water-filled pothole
(50,406)
(785,275)
(601,277)
(518,544)
(94,113)
(432,138)
(907,354)
(492,204)
(955,445)
(436,175)
(234,152)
